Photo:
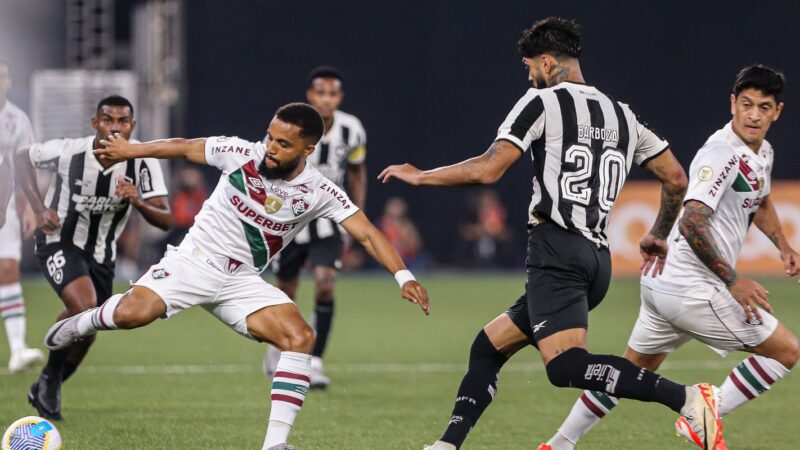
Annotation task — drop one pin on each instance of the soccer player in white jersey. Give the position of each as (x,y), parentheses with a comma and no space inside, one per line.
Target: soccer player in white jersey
(341,151)
(15,134)
(266,195)
(698,293)
(582,144)
(87,205)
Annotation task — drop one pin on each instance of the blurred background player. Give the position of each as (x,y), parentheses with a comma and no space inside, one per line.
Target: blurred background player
(15,135)
(339,155)
(583,145)
(85,210)
(729,187)
(266,195)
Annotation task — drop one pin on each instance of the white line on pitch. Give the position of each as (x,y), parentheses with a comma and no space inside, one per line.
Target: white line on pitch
(200,369)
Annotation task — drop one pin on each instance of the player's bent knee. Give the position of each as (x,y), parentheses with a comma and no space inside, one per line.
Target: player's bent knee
(134,311)
(561,370)
(297,339)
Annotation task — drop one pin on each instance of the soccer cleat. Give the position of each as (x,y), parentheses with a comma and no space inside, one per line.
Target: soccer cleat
(25,359)
(544,446)
(440,445)
(271,358)
(701,415)
(685,431)
(318,380)
(64,333)
(281,447)
(45,396)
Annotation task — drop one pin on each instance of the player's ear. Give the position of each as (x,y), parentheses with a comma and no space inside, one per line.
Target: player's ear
(309,149)
(308,95)
(778,110)
(133,125)
(94,122)
(733,104)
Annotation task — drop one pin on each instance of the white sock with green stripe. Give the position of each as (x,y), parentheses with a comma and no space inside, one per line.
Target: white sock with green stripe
(12,309)
(751,378)
(585,414)
(289,388)
(100,318)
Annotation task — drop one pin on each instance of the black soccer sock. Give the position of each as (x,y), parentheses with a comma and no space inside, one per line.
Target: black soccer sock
(323,317)
(54,368)
(615,376)
(77,352)
(477,390)
(69,369)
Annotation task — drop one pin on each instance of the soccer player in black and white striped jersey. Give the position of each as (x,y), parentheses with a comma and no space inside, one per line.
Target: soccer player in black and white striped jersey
(582,144)
(86,206)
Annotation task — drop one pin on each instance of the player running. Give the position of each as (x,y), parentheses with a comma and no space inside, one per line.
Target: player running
(267,194)
(15,134)
(342,150)
(582,144)
(83,214)
(729,186)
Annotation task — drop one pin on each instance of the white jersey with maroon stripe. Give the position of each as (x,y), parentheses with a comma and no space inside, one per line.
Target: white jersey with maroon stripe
(248,218)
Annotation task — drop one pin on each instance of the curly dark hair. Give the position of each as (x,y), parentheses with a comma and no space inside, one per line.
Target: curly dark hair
(553,35)
(305,117)
(764,78)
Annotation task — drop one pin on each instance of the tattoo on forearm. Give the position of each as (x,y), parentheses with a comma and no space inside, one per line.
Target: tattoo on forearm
(472,168)
(694,227)
(671,199)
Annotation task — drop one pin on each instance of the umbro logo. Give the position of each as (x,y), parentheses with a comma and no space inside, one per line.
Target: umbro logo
(255,183)
(539,326)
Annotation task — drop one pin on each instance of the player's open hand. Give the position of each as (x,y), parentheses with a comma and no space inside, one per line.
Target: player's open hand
(654,255)
(415,293)
(750,295)
(127,191)
(791,262)
(47,221)
(115,149)
(403,172)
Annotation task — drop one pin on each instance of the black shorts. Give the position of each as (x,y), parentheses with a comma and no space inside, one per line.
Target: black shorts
(62,264)
(326,252)
(568,276)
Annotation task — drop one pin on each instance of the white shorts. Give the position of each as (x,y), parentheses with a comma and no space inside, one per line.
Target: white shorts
(185,278)
(668,321)
(11,235)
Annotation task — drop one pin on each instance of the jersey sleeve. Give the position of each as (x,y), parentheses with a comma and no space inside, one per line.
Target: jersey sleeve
(151,179)
(336,205)
(25,139)
(712,171)
(45,155)
(229,153)
(525,123)
(648,144)
(358,147)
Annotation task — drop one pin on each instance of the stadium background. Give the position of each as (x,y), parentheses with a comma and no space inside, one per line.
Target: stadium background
(431,80)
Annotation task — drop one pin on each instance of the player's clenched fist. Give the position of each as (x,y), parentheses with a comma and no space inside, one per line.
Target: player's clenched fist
(127,191)
(415,293)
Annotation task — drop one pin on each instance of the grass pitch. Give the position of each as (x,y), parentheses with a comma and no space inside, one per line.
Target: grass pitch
(191,383)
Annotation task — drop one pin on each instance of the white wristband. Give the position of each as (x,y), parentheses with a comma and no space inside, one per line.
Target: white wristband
(403,276)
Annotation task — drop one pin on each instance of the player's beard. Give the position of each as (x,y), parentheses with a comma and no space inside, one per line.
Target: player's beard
(281,171)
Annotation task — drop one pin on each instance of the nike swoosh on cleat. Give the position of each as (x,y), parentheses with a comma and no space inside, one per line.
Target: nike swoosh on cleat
(49,341)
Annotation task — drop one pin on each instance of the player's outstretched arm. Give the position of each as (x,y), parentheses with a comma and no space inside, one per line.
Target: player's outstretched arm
(484,169)
(695,228)
(117,149)
(653,247)
(382,251)
(767,221)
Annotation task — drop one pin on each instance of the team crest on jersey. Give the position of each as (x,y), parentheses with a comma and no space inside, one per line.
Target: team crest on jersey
(705,173)
(272,204)
(159,274)
(299,206)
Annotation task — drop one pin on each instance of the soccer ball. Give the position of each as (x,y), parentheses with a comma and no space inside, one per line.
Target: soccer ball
(32,433)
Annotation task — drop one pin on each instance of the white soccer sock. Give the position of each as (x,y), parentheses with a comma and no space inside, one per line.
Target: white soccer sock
(100,318)
(12,309)
(585,414)
(751,378)
(289,388)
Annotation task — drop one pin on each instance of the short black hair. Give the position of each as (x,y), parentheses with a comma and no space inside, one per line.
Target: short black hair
(304,116)
(115,100)
(324,72)
(554,35)
(764,78)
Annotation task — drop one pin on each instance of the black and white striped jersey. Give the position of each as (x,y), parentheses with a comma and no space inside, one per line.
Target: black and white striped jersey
(84,194)
(582,145)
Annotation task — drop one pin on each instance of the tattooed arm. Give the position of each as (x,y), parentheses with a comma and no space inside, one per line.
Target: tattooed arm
(653,247)
(694,227)
(484,169)
(766,220)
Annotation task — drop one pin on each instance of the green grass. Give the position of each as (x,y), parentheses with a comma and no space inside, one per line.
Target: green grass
(191,383)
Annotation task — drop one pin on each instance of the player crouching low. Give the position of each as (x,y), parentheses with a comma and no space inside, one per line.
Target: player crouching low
(267,193)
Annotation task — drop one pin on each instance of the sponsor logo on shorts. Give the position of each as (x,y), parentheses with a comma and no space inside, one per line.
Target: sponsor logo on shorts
(232,266)
(159,274)
(299,206)
(539,326)
(456,419)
